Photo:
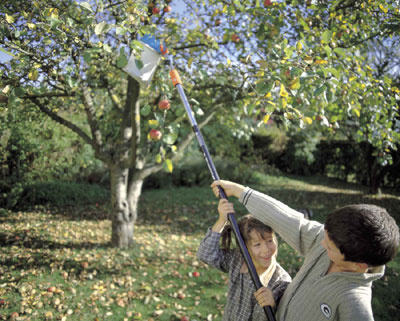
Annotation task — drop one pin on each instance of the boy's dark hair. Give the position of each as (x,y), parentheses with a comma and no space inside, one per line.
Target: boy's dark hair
(364,234)
(246,224)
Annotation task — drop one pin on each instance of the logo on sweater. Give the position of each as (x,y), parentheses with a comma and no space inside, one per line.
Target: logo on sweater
(326,310)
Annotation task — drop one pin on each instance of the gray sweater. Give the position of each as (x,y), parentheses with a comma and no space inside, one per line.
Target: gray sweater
(313,295)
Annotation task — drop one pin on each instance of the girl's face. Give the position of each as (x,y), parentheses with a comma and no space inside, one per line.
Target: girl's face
(262,249)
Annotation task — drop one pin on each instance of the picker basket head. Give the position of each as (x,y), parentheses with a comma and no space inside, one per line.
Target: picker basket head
(144,68)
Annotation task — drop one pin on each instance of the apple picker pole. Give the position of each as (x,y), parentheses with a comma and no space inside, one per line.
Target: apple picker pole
(250,265)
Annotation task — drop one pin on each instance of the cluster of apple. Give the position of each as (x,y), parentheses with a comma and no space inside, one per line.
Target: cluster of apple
(156,134)
(155,10)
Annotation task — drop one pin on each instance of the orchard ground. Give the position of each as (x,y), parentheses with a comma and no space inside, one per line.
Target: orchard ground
(57,263)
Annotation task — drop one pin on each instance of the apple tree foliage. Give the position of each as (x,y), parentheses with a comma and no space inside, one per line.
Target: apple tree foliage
(301,63)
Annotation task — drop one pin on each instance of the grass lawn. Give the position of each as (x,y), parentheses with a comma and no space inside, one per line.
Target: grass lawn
(57,264)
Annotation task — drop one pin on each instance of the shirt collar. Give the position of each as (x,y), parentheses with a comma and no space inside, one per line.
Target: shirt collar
(266,276)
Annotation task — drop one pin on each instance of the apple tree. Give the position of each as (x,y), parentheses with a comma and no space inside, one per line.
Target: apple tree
(68,64)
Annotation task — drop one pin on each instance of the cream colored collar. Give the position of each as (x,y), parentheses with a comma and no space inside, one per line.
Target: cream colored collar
(266,276)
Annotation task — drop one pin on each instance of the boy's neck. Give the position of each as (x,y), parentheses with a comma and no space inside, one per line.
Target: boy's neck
(347,267)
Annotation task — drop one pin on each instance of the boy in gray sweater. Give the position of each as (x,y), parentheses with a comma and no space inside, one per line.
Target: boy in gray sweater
(341,258)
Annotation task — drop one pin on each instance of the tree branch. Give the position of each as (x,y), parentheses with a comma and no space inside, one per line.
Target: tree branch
(61,120)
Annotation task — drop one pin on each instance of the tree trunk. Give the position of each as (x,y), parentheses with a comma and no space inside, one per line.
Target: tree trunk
(124,207)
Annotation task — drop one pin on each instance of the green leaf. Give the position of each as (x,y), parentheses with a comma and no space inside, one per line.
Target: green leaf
(263,88)
(319,90)
(19,92)
(139,63)
(170,138)
(340,51)
(326,37)
(122,60)
(87,57)
(145,110)
(99,28)
(87,6)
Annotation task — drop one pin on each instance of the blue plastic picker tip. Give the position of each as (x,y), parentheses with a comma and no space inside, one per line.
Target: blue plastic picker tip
(151,41)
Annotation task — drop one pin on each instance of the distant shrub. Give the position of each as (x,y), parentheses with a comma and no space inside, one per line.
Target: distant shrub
(57,194)
(194,172)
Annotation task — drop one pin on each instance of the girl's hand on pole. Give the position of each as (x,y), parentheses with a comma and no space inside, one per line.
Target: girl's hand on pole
(264,297)
(230,188)
(224,208)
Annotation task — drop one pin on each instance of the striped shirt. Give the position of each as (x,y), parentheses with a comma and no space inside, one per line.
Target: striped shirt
(241,304)
(313,295)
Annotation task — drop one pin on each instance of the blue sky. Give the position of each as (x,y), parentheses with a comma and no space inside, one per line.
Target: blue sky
(4,57)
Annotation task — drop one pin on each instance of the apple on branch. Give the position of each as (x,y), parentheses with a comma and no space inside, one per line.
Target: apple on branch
(267,3)
(164,104)
(167,9)
(235,38)
(156,10)
(155,134)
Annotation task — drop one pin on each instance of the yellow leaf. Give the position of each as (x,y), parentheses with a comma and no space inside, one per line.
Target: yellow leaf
(357,112)
(396,90)
(308,59)
(153,122)
(174,148)
(33,74)
(295,84)
(269,95)
(299,46)
(283,91)
(169,165)
(308,120)
(385,10)
(31,25)
(158,159)
(9,19)
(352,78)
(320,62)
(266,118)
(271,103)
(284,102)
(116,99)
(228,62)
(190,61)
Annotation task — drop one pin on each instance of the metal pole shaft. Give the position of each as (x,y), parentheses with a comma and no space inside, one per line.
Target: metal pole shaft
(231,216)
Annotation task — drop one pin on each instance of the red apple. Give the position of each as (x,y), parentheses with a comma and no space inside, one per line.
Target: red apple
(85,265)
(155,134)
(163,104)
(319,117)
(267,3)
(196,274)
(167,9)
(156,10)
(184,318)
(218,22)
(235,38)
(51,289)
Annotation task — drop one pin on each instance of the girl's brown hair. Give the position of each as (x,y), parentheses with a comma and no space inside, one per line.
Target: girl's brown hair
(246,224)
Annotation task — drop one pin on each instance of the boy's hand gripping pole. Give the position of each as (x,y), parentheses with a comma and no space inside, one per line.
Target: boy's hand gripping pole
(231,217)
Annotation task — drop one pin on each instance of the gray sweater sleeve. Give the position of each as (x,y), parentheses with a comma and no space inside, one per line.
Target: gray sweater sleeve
(298,232)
